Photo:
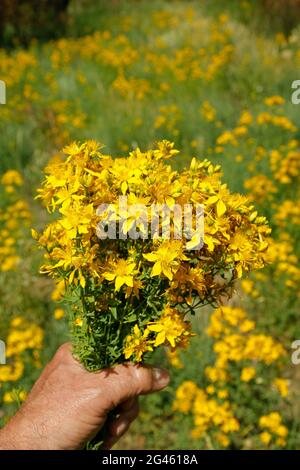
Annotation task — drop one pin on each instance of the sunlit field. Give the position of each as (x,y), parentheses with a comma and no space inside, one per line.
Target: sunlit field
(216,81)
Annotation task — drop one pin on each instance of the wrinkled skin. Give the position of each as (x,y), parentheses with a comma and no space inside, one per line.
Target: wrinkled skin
(68,405)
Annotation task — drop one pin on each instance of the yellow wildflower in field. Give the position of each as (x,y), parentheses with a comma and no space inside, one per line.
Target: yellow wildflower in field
(174,359)
(228,399)
(12,177)
(260,188)
(285,164)
(282,255)
(246,118)
(278,121)
(208,111)
(185,396)
(23,335)
(58,313)
(282,385)
(273,424)
(248,287)
(208,414)
(15,218)
(248,373)
(11,397)
(274,100)
(12,373)
(288,213)
(265,437)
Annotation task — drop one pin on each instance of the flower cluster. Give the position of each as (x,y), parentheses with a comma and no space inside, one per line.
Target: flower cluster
(210,414)
(273,429)
(245,370)
(130,293)
(14,218)
(236,342)
(23,338)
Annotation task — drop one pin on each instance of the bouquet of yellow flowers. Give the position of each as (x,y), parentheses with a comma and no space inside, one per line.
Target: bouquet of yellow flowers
(137,246)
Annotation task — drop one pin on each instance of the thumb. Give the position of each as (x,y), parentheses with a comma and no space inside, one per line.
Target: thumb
(126,381)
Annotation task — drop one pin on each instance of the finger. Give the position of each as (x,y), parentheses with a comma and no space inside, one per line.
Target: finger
(117,384)
(118,427)
(128,404)
(127,411)
(124,382)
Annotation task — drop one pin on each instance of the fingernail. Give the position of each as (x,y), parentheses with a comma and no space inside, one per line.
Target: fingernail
(121,428)
(161,377)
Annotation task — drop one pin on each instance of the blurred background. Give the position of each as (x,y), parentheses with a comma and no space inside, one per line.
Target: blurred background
(214,77)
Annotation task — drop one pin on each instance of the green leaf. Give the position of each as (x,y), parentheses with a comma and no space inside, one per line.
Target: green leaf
(114,312)
(131,318)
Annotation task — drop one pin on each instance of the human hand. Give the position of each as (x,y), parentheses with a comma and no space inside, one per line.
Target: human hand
(68,405)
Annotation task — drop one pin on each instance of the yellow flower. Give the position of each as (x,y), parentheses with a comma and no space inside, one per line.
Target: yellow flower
(23,335)
(265,437)
(208,111)
(58,313)
(227,137)
(135,215)
(246,118)
(281,431)
(274,100)
(12,373)
(185,396)
(78,321)
(17,322)
(210,389)
(137,344)
(222,394)
(12,177)
(208,413)
(170,329)
(247,286)
(247,325)
(58,291)
(273,422)
(174,359)
(218,199)
(166,258)
(282,386)
(11,397)
(121,272)
(223,439)
(280,442)
(10,263)
(215,374)
(77,219)
(247,374)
